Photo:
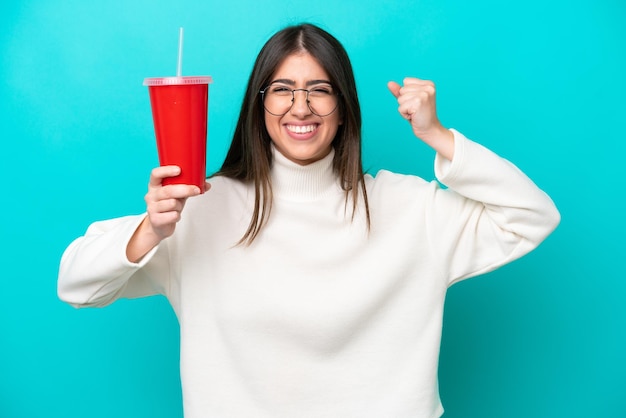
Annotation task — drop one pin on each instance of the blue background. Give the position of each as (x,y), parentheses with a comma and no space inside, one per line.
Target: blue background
(542,83)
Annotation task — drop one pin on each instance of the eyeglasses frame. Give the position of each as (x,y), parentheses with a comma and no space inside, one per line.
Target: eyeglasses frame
(293,100)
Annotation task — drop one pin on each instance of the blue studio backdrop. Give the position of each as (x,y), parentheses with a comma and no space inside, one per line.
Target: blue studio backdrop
(540,82)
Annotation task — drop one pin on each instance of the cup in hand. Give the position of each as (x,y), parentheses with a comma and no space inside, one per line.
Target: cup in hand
(179,112)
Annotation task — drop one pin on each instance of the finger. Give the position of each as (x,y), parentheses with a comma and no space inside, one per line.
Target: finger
(164,213)
(176,191)
(410,103)
(207,186)
(417,88)
(408,96)
(168,205)
(159,173)
(417,81)
(394,88)
(167,193)
(406,112)
(165,220)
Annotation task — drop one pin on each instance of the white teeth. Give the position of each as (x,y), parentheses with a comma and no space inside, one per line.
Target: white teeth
(301,129)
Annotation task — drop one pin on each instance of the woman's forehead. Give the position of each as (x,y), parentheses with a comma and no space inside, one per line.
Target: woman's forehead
(300,67)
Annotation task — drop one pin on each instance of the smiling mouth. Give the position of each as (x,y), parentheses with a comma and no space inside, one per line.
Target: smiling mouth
(299,129)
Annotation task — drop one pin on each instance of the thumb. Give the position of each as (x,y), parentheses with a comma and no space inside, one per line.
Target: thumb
(394,88)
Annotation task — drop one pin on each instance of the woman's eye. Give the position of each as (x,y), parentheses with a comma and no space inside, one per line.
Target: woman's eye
(280,90)
(321,91)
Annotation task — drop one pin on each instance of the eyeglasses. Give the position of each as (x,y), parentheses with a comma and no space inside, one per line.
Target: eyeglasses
(278,99)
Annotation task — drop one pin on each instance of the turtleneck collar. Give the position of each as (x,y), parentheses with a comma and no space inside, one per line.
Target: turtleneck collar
(293,181)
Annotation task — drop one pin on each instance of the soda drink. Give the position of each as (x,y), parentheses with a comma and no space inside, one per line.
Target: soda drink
(179,112)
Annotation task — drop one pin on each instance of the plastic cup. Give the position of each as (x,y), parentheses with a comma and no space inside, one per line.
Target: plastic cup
(179,112)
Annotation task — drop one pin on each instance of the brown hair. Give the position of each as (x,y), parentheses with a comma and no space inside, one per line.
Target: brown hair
(249,158)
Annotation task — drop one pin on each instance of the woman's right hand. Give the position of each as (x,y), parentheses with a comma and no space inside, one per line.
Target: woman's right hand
(164,207)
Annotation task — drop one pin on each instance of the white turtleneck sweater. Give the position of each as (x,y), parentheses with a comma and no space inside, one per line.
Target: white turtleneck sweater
(319,317)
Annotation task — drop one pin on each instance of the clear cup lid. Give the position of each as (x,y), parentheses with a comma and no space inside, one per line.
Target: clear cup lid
(166,81)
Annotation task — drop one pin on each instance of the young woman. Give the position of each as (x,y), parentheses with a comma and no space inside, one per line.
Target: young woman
(303,287)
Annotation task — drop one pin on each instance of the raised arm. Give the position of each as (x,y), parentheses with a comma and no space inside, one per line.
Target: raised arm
(493,213)
(105,264)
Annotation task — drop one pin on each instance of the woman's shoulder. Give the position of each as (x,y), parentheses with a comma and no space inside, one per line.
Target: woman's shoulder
(390,188)
(385,179)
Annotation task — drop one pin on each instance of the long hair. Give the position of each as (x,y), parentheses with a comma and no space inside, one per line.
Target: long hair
(249,158)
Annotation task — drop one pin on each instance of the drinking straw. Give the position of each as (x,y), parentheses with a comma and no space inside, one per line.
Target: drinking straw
(179,69)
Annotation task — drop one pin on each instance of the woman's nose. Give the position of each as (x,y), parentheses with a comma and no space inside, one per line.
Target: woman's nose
(300,104)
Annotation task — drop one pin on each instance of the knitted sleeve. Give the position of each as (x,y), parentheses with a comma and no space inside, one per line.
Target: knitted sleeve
(95,271)
(490,215)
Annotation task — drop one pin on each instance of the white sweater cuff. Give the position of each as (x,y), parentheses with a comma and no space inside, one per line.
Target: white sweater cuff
(446,169)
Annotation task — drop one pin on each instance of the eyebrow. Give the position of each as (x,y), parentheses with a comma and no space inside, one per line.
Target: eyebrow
(308,83)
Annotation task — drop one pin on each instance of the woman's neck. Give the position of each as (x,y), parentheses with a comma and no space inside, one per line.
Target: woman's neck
(302,182)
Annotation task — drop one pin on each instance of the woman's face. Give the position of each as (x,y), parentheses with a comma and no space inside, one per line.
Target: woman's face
(300,135)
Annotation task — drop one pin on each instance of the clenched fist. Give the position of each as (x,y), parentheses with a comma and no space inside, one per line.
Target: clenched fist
(417,104)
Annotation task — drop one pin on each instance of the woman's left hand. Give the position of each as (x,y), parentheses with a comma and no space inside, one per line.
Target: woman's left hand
(417,104)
